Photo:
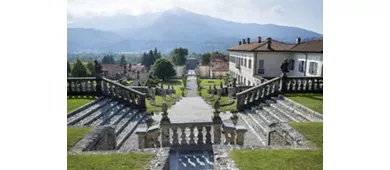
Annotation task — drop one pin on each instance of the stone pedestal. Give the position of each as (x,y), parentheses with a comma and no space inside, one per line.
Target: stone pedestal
(240,130)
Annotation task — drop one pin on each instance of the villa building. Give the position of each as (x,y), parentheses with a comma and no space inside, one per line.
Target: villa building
(249,62)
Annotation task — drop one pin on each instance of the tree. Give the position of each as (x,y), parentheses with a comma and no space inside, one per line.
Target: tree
(108,59)
(205,59)
(91,68)
(163,69)
(149,58)
(178,56)
(123,60)
(68,68)
(79,69)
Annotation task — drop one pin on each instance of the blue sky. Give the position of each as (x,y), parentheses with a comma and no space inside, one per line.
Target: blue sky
(305,14)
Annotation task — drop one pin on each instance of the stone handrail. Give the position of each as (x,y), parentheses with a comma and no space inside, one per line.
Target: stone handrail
(123,93)
(303,84)
(81,86)
(187,133)
(258,93)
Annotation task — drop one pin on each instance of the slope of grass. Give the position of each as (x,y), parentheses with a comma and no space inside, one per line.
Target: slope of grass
(310,100)
(133,161)
(74,134)
(224,100)
(285,158)
(74,103)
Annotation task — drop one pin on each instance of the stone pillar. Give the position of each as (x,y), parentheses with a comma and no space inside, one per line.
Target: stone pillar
(217,128)
(240,130)
(99,77)
(284,83)
(165,121)
(141,132)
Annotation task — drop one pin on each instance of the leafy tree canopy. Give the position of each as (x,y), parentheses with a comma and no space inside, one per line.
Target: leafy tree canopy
(79,69)
(163,69)
(178,56)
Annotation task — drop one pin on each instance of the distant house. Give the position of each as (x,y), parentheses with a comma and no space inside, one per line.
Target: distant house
(191,63)
(249,61)
(219,66)
(110,70)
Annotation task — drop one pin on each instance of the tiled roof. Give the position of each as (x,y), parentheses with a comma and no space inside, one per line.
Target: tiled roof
(222,67)
(118,67)
(310,46)
(278,46)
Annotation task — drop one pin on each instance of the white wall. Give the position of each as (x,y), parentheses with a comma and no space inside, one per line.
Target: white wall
(311,57)
(204,71)
(218,73)
(272,62)
(179,71)
(245,72)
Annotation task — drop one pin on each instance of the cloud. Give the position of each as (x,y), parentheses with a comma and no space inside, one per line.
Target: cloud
(277,10)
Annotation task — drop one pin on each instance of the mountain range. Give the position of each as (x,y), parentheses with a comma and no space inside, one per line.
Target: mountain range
(169,29)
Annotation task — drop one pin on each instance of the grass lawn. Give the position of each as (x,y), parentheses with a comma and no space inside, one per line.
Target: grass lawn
(285,158)
(312,101)
(172,82)
(75,134)
(224,100)
(209,82)
(74,103)
(133,161)
(160,100)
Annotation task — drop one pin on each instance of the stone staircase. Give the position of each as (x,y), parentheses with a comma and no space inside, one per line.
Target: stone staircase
(106,111)
(276,109)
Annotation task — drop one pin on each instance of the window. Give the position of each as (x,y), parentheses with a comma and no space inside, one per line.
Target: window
(244,80)
(291,64)
(261,67)
(249,83)
(241,61)
(302,66)
(250,63)
(261,64)
(245,62)
(313,68)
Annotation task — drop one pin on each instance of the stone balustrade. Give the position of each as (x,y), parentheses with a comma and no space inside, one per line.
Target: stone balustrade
(81,86)
(258,93)
(234,135)
(123,93)
(303,84)
(148,137)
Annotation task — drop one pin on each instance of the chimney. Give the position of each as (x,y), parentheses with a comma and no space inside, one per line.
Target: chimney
(298,40)
(248,40)
(243,41)
(259,39)
(239,43)
(269,41)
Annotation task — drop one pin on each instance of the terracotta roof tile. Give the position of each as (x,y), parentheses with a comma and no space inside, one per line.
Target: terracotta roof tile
(278,46)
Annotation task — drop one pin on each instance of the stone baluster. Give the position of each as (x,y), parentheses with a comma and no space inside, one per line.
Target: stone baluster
(200,135)
(141,102)
(240,130)
(105,88)
(70,90)
(208,135)
(183,136)
(233,137)
(192,136)
(248,98)
(254,95)
(227,136)
(175,139)
(312,84)
(240,101)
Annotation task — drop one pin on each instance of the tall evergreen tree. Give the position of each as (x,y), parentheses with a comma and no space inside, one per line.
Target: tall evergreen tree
(79,69)
(123,60)
(68,69)
(91,68)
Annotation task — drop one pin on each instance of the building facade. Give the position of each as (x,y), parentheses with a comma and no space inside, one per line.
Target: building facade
(249,62)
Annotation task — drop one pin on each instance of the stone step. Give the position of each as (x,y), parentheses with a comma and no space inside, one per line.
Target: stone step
(115,118)
(265,116)
(290,111)
(276,117)
(84,107)
(250,137)
(262,122)
(292,117)
(283,117)
(106,116)
(130,128)
(81,115)
(254,126)
(312,115)
(95,115)
(125,119)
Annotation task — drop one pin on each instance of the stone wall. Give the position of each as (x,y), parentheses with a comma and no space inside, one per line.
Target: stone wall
(101,138)
(281,134)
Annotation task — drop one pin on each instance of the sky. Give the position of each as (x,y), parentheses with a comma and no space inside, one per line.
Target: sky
(305,14)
